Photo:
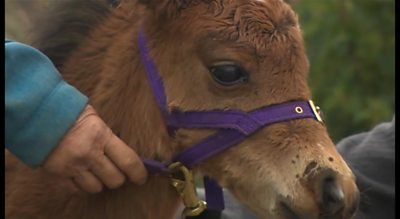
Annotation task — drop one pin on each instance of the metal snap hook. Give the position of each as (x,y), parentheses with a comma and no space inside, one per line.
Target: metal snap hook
(184,185)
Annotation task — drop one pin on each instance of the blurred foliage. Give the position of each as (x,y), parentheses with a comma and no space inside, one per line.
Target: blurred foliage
(350,45)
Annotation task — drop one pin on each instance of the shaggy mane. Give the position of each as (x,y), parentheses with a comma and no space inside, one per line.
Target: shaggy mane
(67,24)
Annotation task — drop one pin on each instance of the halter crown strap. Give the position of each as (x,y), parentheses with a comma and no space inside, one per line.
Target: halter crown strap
(154,78)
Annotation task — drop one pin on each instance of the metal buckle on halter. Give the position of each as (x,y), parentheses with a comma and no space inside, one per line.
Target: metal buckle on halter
(317,111)
(182,180)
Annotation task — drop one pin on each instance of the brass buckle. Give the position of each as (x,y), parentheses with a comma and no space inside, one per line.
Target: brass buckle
(316,111)
(182,181)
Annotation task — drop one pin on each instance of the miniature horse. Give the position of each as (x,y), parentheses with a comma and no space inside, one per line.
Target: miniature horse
(212,55)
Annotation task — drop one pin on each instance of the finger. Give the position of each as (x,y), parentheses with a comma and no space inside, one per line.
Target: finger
(107,172)
(88,182)
(126,159)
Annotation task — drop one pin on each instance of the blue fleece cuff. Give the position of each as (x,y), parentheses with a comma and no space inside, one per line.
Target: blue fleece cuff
(49,124)
(40,107)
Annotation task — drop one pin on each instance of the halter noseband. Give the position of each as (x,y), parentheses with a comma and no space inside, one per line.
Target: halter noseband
(235,127)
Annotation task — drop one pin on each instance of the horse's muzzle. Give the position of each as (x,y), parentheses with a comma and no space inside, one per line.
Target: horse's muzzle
(335,196)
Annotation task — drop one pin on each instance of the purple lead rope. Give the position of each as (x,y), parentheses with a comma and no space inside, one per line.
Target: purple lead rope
(235,125)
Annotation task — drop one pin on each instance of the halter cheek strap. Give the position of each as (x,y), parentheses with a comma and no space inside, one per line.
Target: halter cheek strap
(234,127)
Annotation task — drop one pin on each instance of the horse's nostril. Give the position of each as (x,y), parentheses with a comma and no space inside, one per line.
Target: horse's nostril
(332,196)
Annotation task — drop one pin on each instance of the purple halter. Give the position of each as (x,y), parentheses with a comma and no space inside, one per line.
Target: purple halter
(235,126)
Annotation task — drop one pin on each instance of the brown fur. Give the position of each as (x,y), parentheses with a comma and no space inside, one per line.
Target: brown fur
(184,38)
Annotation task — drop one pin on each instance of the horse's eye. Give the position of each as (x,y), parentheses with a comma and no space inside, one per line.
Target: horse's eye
(228,75)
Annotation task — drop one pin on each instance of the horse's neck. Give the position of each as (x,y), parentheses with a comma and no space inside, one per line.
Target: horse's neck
(150,201)
(107,68)
(117,87)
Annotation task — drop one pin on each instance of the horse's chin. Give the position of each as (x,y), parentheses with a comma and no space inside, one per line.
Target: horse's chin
(261,204)
(284,211)
(287,212)
(279,211)
(274,206)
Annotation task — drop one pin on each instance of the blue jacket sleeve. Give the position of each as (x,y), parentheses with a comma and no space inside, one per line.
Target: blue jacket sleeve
(40,107)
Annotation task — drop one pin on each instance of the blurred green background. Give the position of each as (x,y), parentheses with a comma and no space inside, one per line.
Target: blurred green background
(350,45)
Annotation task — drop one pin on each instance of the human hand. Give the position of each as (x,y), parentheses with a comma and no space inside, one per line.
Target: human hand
(93,156)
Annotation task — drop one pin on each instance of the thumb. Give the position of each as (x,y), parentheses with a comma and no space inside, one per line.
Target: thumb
(126,160)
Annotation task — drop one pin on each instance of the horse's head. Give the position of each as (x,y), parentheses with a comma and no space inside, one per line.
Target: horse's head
(243,55)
